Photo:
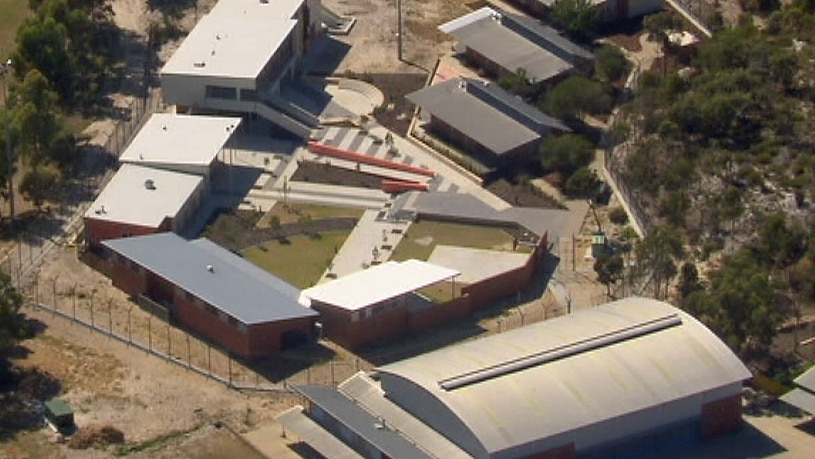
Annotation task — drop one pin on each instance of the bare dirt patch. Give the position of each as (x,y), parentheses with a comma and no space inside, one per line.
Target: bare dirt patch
(309,171)
(522,194)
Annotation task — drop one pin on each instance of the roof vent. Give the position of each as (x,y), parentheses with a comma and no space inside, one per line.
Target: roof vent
(264,1)
(199,64)
(210,268)
(150,184)
(462,84)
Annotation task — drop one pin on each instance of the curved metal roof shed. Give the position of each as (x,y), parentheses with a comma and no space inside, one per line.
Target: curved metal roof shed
(581,381)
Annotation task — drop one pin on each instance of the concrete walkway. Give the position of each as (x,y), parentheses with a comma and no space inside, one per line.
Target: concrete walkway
(357,252)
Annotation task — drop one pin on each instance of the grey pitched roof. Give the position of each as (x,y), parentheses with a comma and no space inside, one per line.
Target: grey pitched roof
(545,36)
(807,380)
(514,42)
(232,285)
(803,397)
(352,416)
(555,222)
(484,113)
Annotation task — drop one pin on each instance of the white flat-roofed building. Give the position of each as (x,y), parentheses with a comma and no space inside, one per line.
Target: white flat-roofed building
(237,56)
(142,200)
(180,143)
(373,304)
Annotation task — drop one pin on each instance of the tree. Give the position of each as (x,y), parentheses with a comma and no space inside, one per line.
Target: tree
(779,244)
(36,118)
(609,271)
(688,281)
(584,183)
(12,327)
(743,311)
(40,184)
(610,63)
(520,84)
(42,45)
(566,153)
(576,96)
(578,18)
(658,25)
(657,254)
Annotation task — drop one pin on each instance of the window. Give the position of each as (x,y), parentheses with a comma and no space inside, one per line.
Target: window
(221,92)
(249,95)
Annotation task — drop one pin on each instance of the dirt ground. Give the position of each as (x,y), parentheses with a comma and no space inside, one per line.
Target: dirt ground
(166,410)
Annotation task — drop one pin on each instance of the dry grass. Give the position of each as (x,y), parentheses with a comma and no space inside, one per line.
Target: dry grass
(424,236)
(98,437)
(299,261)
(292,213)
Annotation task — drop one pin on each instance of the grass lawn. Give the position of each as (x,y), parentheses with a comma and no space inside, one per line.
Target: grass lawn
(291,213)
(300,262)
(424,236)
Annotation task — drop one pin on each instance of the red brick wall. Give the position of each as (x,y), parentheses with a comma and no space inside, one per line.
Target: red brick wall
(425,319)
(128,280)
(562,452)
(507,283)
(267,338)
(260,340)
(337,326)
(97,231)
(721,416)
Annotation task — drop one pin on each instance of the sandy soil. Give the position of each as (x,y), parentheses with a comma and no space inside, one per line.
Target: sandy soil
(146,397)
(374,37)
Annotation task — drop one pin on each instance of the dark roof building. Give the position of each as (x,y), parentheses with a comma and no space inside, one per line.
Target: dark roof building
(212,291)
(803,396)
(502,43)
(623,379)
(483,119)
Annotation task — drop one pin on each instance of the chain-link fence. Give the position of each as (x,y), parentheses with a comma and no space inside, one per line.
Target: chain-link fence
(123,320)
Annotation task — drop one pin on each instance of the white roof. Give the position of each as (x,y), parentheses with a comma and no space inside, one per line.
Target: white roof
(537,383)
(378,283)
(127,198)
(179,139)
(236,39)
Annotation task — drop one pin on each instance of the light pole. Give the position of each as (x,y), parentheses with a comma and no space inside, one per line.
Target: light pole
(4,69)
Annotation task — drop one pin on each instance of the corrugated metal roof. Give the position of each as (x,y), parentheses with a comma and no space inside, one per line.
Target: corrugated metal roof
(364,391)
(318,438)
(215,275)
(484,33)
(168,139)
(373,430)
(800,399)
(807,380)
(472,116)
(610,362)
(378,283)
(555,222)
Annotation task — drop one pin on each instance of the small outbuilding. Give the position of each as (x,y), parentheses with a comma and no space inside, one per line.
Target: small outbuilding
(59,414)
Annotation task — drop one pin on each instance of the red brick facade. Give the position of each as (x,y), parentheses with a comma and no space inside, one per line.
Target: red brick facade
(721,416)
(97,231)
(246,341)
(339,324)
(563,452)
